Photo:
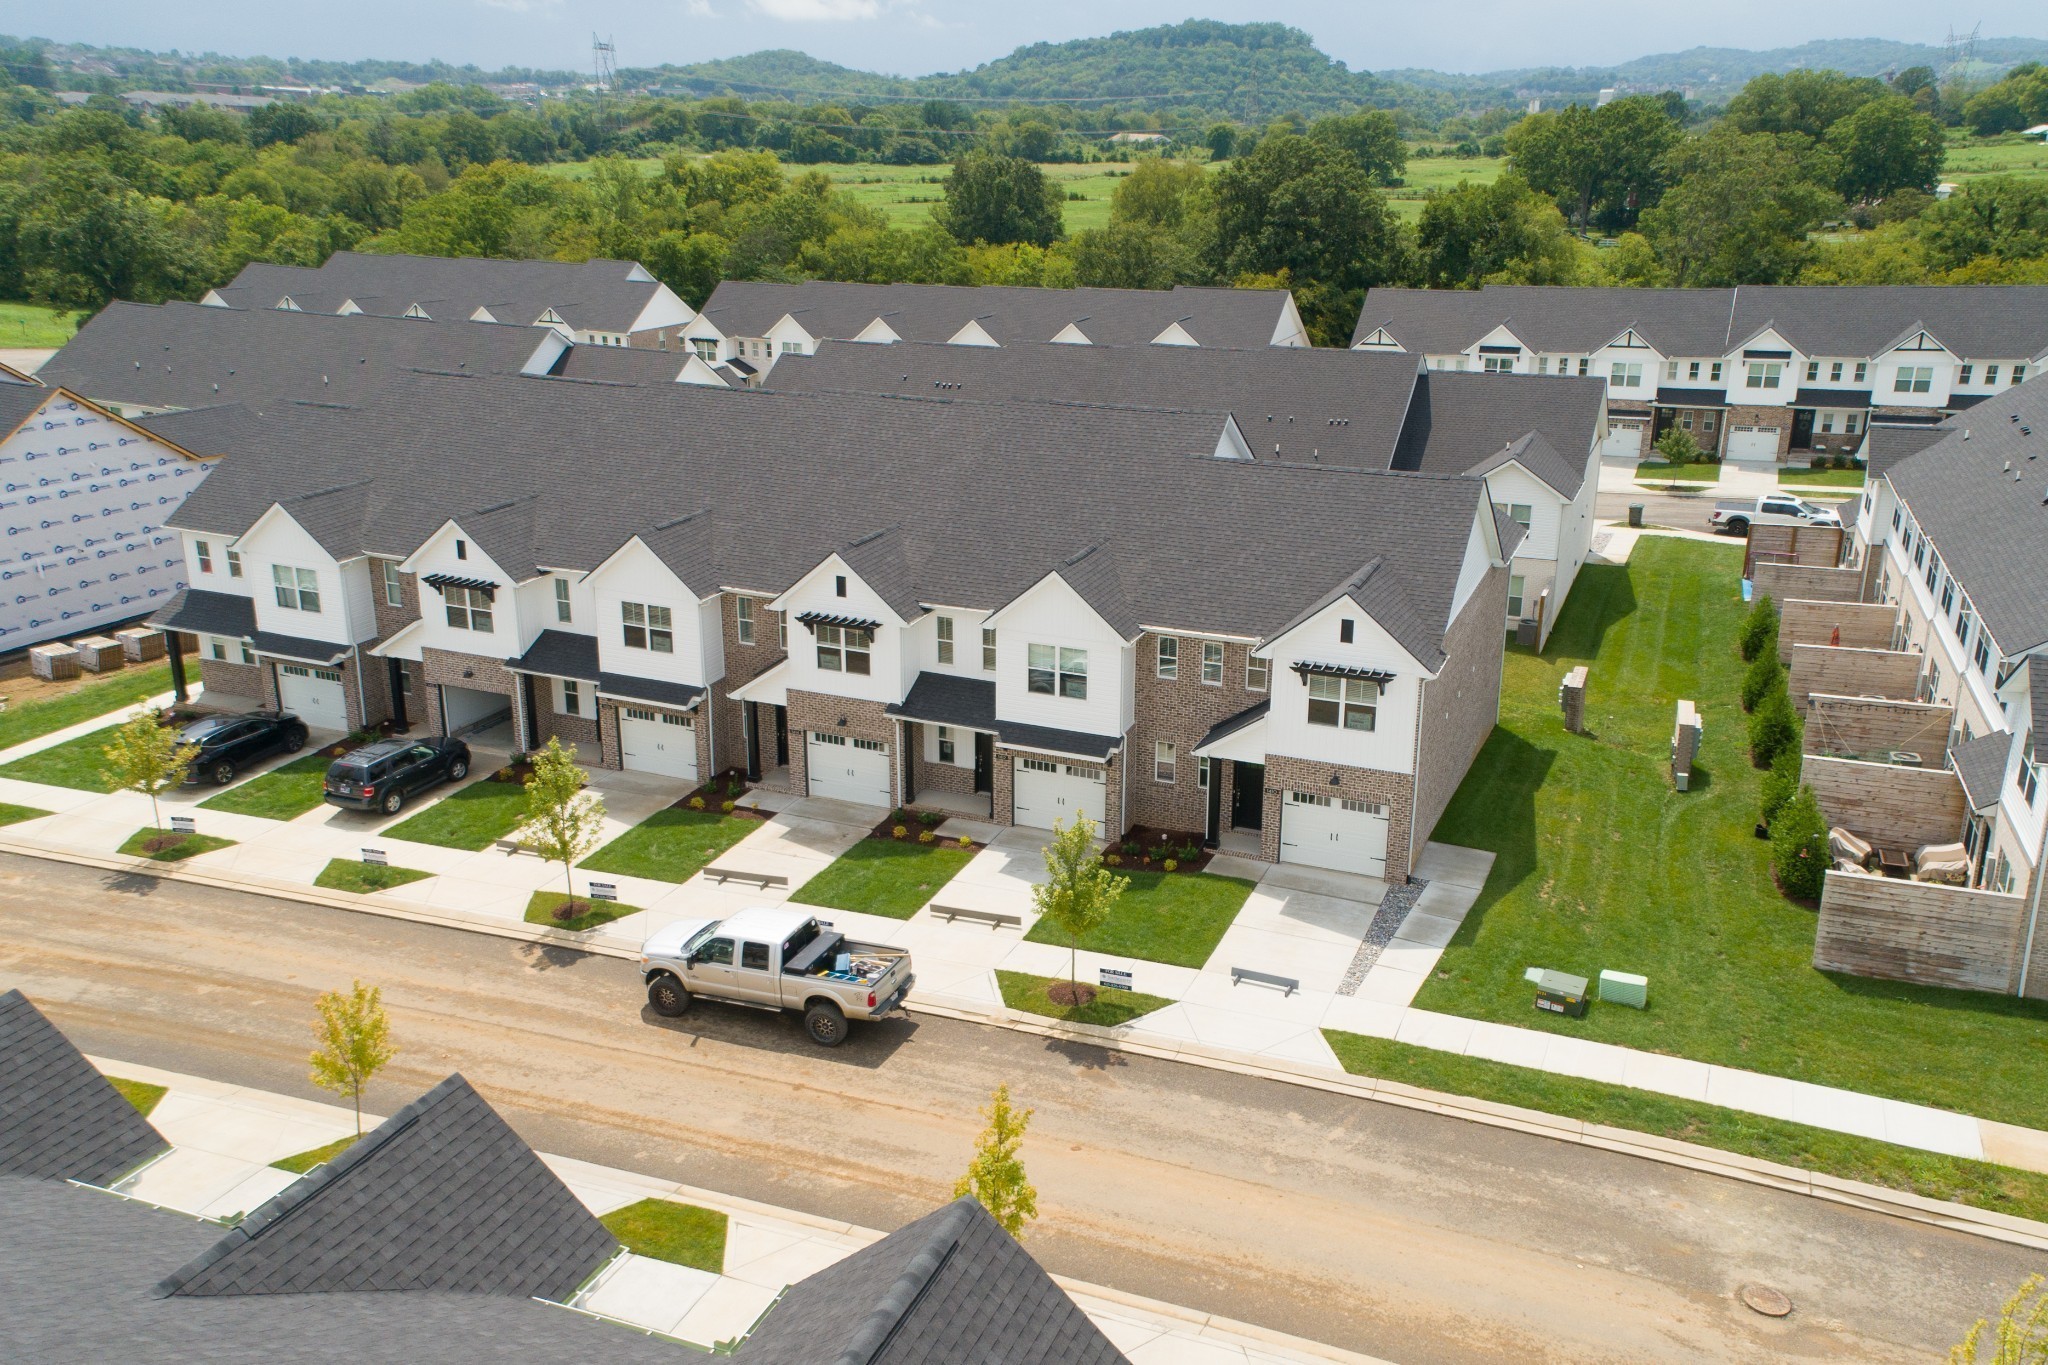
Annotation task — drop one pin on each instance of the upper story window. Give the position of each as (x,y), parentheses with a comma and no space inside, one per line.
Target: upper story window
(468,608)
(562,612)
(1964,376)
(1499,364)
(1212,663)
(743,619)
(1256,673)
(1835,373)
(394,586)
(1348,703)
(2030,771)
(1813,371)
(1984,653)
(462,549)
(1913,379)
(1765,374)
(1990,375)
(1625,375)
(1169,657)
(648,627)
(792,348)
(1862,370)
(1671,369)
(988,650)
(1521,513)
(296,589)
(845,649)
(1056,671)
(1347,631)
(945,628)
(2019,374)
(705,348)
(204,551)
(1963,624)
(234,563)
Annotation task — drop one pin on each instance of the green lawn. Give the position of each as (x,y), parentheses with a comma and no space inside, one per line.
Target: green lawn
(31,325)
(284,793)
(1023,991)
(178,848)
(1602,864)
(671,845)
(1700,471)
(1970,157)
(93,697)
(1434,173)
(1171,917)
(1822,478)
(318,1156)
(80,763)
(475,817)
(13,815)
(885,877)
(141,1094)
(342,875)
(668,1231)
(541,910)
(1980,1184)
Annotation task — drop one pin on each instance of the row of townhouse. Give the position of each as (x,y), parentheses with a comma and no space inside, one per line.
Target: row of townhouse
(1760,374)
(1953,531)
(1043,610)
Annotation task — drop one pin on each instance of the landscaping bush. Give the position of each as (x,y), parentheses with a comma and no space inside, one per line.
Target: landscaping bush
(1779,784)
(930,817)
(1764,674)
(1170,865)
(696,803)
(1677,447)
(898,831)
(1760,629)
(727,806)
(1773,727)
(925,836)
(1799,846)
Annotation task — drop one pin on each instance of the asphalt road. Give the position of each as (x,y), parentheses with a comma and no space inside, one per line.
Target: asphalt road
(1682,511)
(1402,1234)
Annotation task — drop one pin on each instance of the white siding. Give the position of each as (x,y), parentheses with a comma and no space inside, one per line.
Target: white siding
(277,539)
(1390,745)
(636,574)
(1513,484)
(887,677)
(1054,614)
(923,650)
(1478,562)
(358,600)
(437,556)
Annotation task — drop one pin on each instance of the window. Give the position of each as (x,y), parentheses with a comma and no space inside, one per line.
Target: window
(1347,703)
(1692,369)
(1827,423)
(394,586)
(945,744)
(1685,420)
(1714,373)
(945,639)
(1169,657)
(1913,379)
(572,698)
(844,649)
(839,585)
(1624,375)
(205,553)
(1948,596)
(792,348)
(1850,421)
(1162,762)
(462,549)
(1990,375)
(1984,653)
(234,563)
(1963,624)
(2019,374)
(2030,773)
(1706,421)
(754,957)
(1057,671)
(248,654)
(1585,366)
(782,632)
(706,349)
(297,589)
(1499,364)
(1520,513)
(561,599)
(1835,373)
(988,650)
(1932,685)
(1933,570)
(1765,374)
(220,648)
(743,619)
(1212,663)
(1963,376)
(716,952)
(1256,671)
(1516,586)
(1813,372)
(649,627)
(1542,367)
(1345,630)
(1671,370)
(468,608)
(1202,766)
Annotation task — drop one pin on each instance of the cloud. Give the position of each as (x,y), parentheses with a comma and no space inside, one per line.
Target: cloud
(817,11)
(699,9)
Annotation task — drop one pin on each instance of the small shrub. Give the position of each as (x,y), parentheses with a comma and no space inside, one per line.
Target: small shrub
(734,788)
(1190,852)
(925,836)
(1170,865)
(1773,728)
(1763,674)
(696,803)
(1799,846)
(1760,629)
(899,831)
(1131,847)
(899,816)
(930,817)
(1113,859)
(966,842)
(1779,784)
(727,806)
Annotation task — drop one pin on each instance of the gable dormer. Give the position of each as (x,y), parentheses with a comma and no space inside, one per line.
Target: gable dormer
(878,331)
(1176,335)
(973,334)
(1920,340)
(1072,335)
(845,637)
(1380,340)
(349,308)
(650,621)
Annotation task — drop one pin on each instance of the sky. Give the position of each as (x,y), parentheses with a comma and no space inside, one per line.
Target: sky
(913,37)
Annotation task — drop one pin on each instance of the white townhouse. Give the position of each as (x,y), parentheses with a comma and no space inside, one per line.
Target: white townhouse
(1759,373)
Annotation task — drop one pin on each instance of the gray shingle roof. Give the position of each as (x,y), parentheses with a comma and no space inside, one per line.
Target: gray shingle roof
(18,403)
(1981,494)
(946,699)
(621,687)
(440,1196)
(199,612)
(1465,423)
(951,1288)
(596,295)
(835,310)
(1886,445)
(1980,764)
(1230,725)
(559,654)
(59,1118)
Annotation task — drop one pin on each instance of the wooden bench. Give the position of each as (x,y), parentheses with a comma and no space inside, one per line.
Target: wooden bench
(512,846)
(994,919)
(1286,985)
(760,880)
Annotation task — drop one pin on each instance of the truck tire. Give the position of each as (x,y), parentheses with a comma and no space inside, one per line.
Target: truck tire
(824,1022)
(393,802)
(666,996)
(1738,526)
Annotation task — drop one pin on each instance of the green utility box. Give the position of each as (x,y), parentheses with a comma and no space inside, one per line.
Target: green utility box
(1624,988)
(1558,992)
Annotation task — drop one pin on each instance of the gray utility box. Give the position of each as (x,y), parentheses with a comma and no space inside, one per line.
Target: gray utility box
(1571,698)
(1558,992)
(1685,744)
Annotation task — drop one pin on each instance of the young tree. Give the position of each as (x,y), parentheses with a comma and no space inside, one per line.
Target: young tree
(1773,727)
(996,1176)
(1078,894)
(1677,447)
(1760,628)
(2021,1337)
(1763,676)
(564,824)
(1799,846)
(146,757)
(353,1042)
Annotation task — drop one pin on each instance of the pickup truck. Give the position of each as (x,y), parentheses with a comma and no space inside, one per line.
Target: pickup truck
(1772,509)
(773,957)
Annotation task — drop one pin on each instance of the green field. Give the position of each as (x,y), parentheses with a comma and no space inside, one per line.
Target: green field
(1969,158)
(31,324)
(1440,173)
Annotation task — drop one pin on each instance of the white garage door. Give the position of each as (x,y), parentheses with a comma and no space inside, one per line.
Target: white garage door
(1325,831)
(314,695)
(1753,443)
(1624,440)
(848,769)
(1047,791)
(657,742)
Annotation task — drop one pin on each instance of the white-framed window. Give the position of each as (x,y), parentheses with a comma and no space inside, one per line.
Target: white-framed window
(468,609)
(1765,374)
(234,563)
(1835,373)
(782,632)
(1163,756)
(1516,586)
(1520,513)
(1827,423)
(1498,364)
(792,348)
(706,349)
(1056,671)
(1671,370)
(572,697)
(1585,366)
(2030,772)
(1257,671)
(1984,653)
(1990,376)
(1850,421)
(988,650)
(1623,374)
(1914,379)
(1168,665)
(945,626)
(1963,376)
(562,611)
(1542,367)
(648,627)
(394,585)
(2019,374)
(743,619)
(1203,772)
(220,649)
(296,589)
(1685,419)
(204,551)
(1813,372)
(462,549)
(1345,703)
(1212,663)
(1692,369)
(945,744)
(248,654)
(845,649)
(1714,374)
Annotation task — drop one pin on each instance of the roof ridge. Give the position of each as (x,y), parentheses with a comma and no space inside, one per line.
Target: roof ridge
(874,1332)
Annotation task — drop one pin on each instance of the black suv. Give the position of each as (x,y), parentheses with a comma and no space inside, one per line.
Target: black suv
(380,776)
(228,744)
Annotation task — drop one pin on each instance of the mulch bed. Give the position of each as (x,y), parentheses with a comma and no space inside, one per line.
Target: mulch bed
(1157,845)
(162,842)
(1072,994)
(730,785)
(914,824)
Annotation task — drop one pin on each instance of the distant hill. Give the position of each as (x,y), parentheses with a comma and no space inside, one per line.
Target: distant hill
(769,75)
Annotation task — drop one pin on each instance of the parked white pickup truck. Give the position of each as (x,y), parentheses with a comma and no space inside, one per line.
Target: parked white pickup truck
(774,957)
(1772,509)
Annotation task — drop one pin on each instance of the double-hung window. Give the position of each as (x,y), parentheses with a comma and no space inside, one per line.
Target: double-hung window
(1765,374)
(204,551)
(2030,773)
(1169,657)
(296,589)
(844,649)
(1913,379)
(1984,653)
(988,650)
(1163,755)
(945,625)
(1835,373)
(1056,671)
(1692,369)
(1813,372)
(706,349)
(1517,586)
(1345,703)
(648,627)
(1714,372)
(1624,375)
(1212,663)
(234,563)
(562,612)
(468,608)
(2019,374)
(1499,364)
(572,697)
(394,586)
(1256,672)
(1990,376)
(743,619)
(945,743)
(1964,376)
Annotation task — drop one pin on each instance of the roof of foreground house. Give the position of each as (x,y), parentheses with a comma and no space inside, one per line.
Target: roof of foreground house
(1474,423)
(60,1119)
(595,295)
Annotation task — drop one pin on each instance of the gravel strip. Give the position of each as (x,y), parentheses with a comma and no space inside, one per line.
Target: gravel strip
(1386,922)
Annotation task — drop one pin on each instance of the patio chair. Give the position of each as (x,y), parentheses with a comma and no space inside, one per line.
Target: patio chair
(1948,864)
(1847,847)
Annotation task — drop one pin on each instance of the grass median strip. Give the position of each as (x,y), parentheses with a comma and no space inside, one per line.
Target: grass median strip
(14,815)
(473,818)
(141,1094)
(671,845)
(1172,917)
(161,847)
(885,877)
(546,906)
(1980,1184)
(80,764)
(1023,991)
(318,1156)
(284,793)
(1822,478)
(667,1231)
(38,716)
(341,874)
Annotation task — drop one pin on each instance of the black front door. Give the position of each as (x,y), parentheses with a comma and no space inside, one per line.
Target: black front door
(1212,769)
(399,681)
(781,736)
(1665,417)
(1802,428)
(1248,796)
(984,763)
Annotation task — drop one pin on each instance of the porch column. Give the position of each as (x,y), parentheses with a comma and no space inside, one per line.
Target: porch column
(174,643)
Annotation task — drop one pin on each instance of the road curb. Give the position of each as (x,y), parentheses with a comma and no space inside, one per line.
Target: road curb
(1648,1147)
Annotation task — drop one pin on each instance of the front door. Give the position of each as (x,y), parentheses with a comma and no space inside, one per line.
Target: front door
(984,762)
(1665,417)
(401,689)
(1248,796)
(781,736)
(1802,428)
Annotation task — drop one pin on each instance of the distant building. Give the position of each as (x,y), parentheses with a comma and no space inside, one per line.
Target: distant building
(1138,139)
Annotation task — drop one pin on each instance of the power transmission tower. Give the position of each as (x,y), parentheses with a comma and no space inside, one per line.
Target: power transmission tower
(1959,54)
(604,60)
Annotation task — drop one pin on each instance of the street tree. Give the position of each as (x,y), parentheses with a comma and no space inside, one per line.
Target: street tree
(564,823)
(352,1042)
(2021,1336)
(996,1176)
(146,757)
(998,199)
(1078,893)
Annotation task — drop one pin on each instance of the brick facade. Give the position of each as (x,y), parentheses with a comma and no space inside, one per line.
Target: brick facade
(743,663)
(1708,425)
(224,677)
(1460,708)
(1180,711)
(1395,791)
(391,619)
(605,732)
(441,668)
(550,723)
(822,711)
(1003,803)
(934,776)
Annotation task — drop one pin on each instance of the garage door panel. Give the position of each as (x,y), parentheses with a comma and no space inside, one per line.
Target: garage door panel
(1334,833)
(314,695)
(657,742)
(1753,443)
(1624,439)
(1047,790)
(847,769)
